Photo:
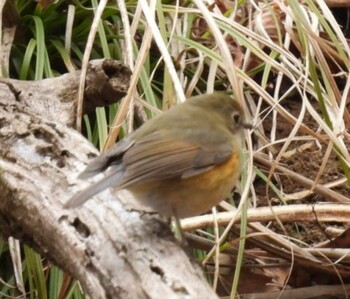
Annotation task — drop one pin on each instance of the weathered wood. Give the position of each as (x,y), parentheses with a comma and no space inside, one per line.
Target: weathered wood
(113,252)
(107,82)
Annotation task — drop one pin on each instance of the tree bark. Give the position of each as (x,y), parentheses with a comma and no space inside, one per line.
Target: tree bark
(113,252)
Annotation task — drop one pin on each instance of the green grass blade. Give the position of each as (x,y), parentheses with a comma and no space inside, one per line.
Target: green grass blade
(55,282)
(36,276)
(102,126)
(25,69)
(64,54)
(40,49)
(102,35)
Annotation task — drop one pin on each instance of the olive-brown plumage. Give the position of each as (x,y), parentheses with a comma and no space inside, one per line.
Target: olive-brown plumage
(181,163)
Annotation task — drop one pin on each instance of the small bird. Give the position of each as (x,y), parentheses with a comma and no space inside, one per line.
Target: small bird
(180,163)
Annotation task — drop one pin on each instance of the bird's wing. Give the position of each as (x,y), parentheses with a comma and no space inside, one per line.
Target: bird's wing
(103,162)
(107,159)
(158,156)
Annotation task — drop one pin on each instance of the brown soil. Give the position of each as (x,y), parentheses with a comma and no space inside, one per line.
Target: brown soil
(306,162)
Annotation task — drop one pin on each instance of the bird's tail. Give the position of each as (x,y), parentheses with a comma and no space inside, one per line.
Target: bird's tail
(112,179)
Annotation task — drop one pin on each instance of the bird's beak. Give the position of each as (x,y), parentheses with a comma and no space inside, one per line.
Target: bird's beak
(246,125)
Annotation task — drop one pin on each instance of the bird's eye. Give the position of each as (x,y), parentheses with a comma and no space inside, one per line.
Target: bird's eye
(236,117)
